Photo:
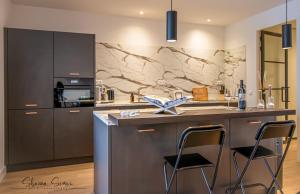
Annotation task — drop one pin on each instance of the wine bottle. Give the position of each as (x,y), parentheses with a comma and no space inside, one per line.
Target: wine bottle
(242,96)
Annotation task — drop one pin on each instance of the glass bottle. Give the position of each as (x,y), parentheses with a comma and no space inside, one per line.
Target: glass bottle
(242,96)
(260,102)
(270,98)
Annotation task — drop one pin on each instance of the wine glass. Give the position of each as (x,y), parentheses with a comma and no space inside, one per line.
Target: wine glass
(260,102)
(228,98)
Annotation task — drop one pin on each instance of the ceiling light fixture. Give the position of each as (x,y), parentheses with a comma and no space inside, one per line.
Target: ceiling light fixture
(208,20)
(172,25)
(142,12)
(286,31)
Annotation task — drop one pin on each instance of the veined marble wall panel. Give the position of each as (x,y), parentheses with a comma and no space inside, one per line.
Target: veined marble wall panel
(234,67)
(160,70)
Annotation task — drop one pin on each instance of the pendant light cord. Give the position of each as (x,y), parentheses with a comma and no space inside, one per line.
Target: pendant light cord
(286,11)
(171,5)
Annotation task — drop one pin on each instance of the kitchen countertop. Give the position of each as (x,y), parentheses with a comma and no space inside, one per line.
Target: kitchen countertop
(195,114)
(137,105)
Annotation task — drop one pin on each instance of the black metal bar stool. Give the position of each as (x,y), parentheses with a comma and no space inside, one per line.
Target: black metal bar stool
(194,137)
(269,130)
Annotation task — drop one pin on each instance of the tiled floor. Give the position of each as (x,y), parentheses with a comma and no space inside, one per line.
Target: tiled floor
(78,179)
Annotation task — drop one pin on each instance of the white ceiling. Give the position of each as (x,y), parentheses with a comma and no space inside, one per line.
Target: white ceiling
(221,12)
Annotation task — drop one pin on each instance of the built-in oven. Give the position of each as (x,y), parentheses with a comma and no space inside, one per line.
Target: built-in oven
(73,92)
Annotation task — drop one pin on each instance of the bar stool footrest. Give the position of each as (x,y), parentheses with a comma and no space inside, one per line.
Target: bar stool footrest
(248,186)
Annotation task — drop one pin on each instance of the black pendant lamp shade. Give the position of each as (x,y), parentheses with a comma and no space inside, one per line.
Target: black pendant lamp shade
(286,36)
(171,25)
(286,32)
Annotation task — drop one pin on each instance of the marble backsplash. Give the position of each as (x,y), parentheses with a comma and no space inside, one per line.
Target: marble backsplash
(159,70)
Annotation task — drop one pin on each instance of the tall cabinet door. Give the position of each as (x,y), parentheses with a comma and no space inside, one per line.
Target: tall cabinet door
(30,135)
(74,55)
(73,132)
(30,69)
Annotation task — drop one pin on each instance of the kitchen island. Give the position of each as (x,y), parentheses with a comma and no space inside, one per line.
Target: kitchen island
(129,151)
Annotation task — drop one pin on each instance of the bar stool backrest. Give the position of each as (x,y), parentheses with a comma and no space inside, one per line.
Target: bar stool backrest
(270,130)
(201,136)
(276,129)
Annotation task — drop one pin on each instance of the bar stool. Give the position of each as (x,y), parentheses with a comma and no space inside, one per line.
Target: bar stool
(269,130)
(194,137)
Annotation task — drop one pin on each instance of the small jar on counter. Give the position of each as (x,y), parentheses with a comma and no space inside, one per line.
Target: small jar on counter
(132,97)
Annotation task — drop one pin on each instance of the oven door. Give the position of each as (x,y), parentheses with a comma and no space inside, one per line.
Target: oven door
(74,96)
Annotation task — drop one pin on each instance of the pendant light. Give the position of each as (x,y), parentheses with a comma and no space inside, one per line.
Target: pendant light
(171,24)
(286,31)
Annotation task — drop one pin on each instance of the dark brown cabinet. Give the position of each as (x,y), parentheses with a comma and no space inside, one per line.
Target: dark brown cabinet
(137,158)
(29,69)
(30,135)
(74,55)
(36,134)
(73,133)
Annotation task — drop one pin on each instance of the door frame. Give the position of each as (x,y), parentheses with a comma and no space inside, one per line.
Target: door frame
(285,88)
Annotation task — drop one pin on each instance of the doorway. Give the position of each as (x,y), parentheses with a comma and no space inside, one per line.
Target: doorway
(279,68)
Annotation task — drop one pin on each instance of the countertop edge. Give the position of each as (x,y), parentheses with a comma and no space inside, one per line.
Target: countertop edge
(147,105)
(191,118)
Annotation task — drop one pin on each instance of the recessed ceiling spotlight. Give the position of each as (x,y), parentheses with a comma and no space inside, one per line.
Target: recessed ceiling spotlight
(208,20)
(141,12)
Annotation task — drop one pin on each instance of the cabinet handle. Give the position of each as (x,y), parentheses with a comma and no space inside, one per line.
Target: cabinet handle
(74,73)
(31,113)
(74,111)
(31,105)
(254,122)
(146,130)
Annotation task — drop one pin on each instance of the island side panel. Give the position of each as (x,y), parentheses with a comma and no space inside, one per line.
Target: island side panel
(137,158)
(102,157)
(191,181)
(242,133)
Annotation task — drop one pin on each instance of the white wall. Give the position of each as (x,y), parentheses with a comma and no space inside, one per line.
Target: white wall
(115,29)
(4,9)
(246,32)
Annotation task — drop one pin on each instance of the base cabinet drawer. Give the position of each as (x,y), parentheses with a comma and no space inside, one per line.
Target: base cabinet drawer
(30,136)
(73,133)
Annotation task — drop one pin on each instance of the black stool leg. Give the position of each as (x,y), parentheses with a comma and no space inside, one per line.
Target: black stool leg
(166,175)
(168,184)
(238,172)
(240,179)
(280,164)
(206,182)
(273,176)
(171,182)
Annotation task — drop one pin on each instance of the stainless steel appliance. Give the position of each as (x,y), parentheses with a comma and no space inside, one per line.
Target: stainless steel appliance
(73,92)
